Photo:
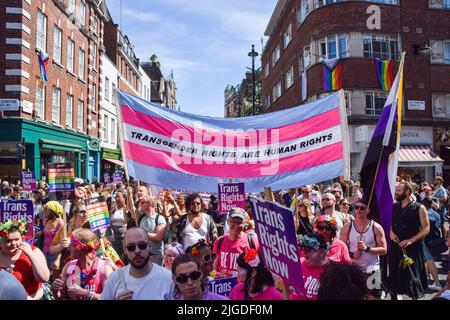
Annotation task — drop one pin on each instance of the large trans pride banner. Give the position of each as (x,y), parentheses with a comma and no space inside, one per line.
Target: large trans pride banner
(296,146)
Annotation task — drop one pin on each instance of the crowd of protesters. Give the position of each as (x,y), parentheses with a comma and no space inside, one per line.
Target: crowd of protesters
(170,245)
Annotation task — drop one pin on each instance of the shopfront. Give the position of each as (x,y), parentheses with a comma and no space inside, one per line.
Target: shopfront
(417,158)
(46,144)
(110,162)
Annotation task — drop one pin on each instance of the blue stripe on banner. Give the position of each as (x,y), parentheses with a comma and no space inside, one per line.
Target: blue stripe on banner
(265,121)
(189,182)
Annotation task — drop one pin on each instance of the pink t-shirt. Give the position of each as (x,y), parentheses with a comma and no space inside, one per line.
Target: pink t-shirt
(339,252)
(271,293)
(311,278)
(230,251)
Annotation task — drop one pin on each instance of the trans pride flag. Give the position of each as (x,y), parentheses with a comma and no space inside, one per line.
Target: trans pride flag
(385,72)
(381,161)
(179,150)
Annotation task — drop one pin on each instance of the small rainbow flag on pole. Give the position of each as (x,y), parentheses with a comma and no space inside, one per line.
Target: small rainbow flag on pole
(385,71)
(332,75)
(43,64)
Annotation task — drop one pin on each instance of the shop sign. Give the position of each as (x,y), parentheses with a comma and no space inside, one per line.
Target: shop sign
(55,158)
(416,135)
(416,105)
(110,155)
(9,104)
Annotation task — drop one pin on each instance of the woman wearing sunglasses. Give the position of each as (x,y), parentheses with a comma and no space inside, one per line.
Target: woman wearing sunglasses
(188,279)
(303,217)
(203,252)
(326,227)
(84,277)
(255,282)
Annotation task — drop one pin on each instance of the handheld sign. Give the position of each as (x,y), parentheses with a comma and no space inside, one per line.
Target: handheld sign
(222,286)
(97,210)
(231,195)
(61,177)
(28,181)
(278,242)
(106,177)
(118,176)
(16,210)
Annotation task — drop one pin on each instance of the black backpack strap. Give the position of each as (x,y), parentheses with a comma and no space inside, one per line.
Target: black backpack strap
(181,224)
(250,241)
(219,244)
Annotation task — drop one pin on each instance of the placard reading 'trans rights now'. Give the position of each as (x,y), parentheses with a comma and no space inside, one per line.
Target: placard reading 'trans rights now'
(278,243)
(231,195)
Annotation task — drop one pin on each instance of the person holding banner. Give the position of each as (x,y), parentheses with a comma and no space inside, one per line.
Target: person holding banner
(53,212)
(27,263)
(84,277)
(229,246)
(188,280)
(174,214)
(196,224)
(255,280)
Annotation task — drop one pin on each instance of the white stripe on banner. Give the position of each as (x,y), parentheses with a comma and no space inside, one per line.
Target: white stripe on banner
(277,151)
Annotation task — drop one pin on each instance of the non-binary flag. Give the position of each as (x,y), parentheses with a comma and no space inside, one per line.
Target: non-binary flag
(379,170)
(332,75)
(179,150)
(385,72)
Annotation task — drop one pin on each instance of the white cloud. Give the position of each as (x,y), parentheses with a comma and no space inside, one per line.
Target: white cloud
(141,16)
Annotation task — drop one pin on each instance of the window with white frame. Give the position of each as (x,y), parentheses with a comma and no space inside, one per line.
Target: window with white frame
(69,111)
(41,31)
(321,3)
(56,105)
(83,14)
(446,4)
(71,6)
(95,26)
(287,36)
(275,55)
(113,95)
(383,47)
(81,59)
(375,101)
(70,54)
(333,47)
(80,114)
(266,70)
(289,78)
(439,4)
(113,130)
(277,91)
(301,64)
(307,57)
(105,128)
(106,88)
(302,11)
(94,97)
(57,44)
(94,55)
(40,99)
(441,105)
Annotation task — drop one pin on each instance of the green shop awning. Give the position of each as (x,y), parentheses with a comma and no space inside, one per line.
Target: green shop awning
(51,144)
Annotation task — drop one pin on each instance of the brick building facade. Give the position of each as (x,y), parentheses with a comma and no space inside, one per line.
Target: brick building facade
(303,34)
(57,120)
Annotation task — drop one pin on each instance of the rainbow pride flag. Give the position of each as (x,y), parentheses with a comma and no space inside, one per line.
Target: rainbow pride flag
(43,64)
(385,72)
(332,75)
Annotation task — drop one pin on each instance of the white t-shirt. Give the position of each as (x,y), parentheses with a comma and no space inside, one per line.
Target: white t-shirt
(157,285)
(11,288)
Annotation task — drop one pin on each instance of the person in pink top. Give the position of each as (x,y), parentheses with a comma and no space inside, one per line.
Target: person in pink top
(229,246)
(315,249)
(53,222)
(255,281)
(326,227)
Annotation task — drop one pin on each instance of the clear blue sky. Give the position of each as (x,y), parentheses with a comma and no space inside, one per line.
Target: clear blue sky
(204,42)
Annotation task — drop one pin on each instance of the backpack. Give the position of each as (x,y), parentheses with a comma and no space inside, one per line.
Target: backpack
(166,235)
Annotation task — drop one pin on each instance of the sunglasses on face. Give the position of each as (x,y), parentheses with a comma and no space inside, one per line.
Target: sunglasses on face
(326,199)
(82,212)
(195,203)
(209,258)
(360,207)
(183,278)
(345,204)
(141,245)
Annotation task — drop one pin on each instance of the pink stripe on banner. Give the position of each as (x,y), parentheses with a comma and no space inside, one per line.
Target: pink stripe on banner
(289,132)
(161,159)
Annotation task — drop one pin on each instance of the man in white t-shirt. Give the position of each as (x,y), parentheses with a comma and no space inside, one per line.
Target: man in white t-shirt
(328,203)
(141,279)
(10,287)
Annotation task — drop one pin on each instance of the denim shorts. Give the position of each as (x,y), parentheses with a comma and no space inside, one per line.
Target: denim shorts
(427,253)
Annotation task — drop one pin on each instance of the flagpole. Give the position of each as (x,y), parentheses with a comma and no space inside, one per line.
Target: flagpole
(375,177)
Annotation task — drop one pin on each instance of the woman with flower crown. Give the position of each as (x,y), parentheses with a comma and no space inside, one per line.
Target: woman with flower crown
(27,263)
(84,277)
(255,280)
(326,227)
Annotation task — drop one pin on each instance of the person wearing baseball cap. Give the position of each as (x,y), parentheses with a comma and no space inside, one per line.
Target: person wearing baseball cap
(229,246)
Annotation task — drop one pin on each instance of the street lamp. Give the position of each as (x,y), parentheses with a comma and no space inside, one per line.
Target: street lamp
(253,54)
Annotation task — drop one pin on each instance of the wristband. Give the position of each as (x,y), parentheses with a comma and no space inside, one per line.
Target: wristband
(368,249)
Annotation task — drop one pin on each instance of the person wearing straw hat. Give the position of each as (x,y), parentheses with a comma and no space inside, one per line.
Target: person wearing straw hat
(53,222)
